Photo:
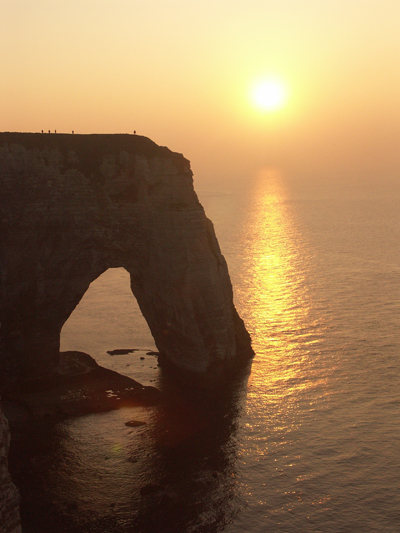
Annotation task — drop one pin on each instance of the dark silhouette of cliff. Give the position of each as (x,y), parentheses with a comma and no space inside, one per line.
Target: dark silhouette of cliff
(73,206)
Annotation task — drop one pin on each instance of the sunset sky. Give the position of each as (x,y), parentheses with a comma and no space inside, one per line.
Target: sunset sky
(184,73)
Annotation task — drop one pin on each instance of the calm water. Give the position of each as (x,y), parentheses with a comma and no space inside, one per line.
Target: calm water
(309,441)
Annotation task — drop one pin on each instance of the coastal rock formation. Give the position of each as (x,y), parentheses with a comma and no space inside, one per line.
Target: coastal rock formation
(73,206)
(9,498)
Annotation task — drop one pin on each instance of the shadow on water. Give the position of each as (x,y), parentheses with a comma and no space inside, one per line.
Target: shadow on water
(176,473)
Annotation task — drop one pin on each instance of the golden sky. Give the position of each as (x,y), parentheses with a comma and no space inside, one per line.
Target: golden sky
(182,71)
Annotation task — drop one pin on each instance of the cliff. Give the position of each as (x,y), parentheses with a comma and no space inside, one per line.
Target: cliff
(73,206)
(9,497)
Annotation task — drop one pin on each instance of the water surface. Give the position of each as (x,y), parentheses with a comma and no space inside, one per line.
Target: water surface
(308,442)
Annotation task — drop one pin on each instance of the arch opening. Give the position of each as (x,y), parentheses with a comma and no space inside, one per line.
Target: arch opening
(108,318)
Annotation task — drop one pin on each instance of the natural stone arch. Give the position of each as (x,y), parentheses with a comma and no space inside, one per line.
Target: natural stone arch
(75,206)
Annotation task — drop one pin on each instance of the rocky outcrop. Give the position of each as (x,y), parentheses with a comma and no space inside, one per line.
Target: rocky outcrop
(73,206)
(9,497)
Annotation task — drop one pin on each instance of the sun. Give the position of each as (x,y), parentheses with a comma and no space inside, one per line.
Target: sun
(269,95)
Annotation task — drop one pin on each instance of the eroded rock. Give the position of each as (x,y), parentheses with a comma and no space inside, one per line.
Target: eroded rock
(73,206)
(9,497)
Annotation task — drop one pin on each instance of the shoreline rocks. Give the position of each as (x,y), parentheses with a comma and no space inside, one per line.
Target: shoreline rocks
(79,386)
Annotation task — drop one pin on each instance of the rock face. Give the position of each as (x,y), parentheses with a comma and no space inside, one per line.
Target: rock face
(73,206)
(9,497)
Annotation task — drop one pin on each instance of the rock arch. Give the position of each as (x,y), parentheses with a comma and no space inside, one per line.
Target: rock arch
(74,206)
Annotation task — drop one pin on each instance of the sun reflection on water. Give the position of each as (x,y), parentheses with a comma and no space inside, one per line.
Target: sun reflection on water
(278,306)
(287,332)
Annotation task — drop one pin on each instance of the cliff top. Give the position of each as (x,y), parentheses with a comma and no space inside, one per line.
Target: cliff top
(93,144)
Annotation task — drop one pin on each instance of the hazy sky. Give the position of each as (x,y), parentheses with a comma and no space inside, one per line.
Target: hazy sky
(181,72)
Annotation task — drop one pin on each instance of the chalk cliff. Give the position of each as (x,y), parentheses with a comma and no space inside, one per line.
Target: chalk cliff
(73,206)
(9,498)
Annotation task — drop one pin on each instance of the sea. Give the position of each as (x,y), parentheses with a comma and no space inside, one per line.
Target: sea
(305,440)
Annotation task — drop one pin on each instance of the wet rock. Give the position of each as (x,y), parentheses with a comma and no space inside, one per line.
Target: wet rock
(80,387)
(135,423)
(122,351)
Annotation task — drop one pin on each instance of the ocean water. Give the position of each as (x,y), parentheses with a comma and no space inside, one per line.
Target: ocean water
(308,439)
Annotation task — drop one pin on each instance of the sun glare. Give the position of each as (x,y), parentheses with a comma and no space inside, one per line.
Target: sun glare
(269,95)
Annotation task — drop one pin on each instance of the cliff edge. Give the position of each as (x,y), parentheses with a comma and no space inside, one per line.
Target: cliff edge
(73,206)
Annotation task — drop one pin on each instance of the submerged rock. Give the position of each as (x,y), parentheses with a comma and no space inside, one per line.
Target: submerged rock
(122,351)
